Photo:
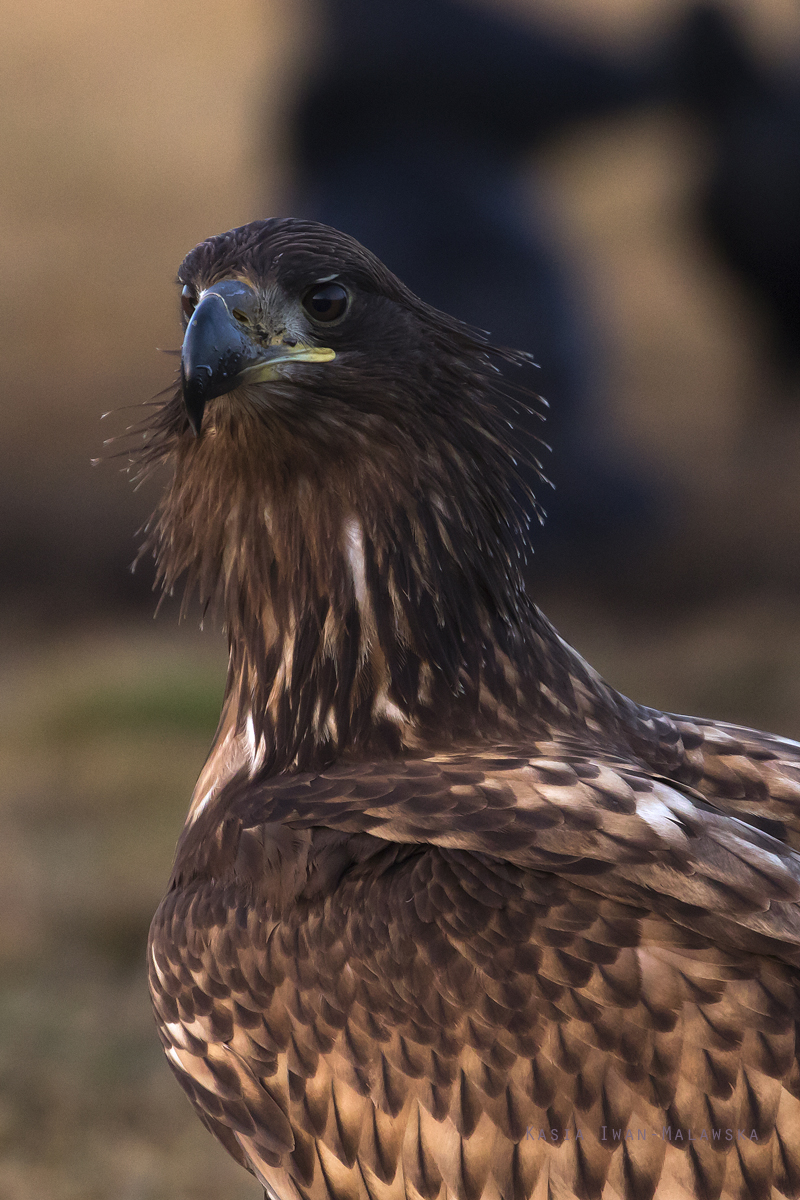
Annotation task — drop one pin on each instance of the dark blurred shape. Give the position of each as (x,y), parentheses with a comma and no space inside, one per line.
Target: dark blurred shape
(750,205)
(412,135)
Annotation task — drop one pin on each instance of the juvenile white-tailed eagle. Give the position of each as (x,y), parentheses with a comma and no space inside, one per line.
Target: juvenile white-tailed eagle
(450,917)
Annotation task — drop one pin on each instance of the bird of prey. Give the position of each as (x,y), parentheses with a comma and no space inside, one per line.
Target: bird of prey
(450,917)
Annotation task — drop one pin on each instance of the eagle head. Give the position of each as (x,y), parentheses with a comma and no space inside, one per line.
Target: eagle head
(297,329)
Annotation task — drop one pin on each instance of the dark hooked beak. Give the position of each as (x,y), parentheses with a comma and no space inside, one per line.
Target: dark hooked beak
(219,354)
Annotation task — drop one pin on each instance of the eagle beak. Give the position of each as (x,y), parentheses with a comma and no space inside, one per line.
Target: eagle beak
(219,354)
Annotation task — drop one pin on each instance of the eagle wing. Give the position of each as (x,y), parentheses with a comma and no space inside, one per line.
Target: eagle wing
(507,975)
(750,774)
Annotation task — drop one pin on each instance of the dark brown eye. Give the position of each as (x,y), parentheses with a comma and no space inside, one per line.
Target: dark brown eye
(326,302)
(188,301)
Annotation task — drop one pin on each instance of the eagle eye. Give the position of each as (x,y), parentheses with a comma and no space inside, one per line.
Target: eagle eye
(326,302)
(188,301)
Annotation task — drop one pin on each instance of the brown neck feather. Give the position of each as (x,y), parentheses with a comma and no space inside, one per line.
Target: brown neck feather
(363,608)
(371,607)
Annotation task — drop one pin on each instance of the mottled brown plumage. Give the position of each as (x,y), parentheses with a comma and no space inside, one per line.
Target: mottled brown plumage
(449,917)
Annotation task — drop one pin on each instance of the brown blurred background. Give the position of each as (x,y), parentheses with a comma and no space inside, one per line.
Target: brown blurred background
(130,132)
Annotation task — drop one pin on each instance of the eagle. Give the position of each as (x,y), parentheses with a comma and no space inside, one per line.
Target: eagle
(450,918)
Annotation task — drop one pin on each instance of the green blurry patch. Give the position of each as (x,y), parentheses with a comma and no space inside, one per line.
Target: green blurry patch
(180,703)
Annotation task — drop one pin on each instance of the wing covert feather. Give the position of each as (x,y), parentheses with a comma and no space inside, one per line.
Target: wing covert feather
(623,831)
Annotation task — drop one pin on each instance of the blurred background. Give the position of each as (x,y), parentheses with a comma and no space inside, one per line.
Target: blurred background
(611,184)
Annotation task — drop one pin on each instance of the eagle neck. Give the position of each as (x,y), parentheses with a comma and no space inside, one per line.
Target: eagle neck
(366,615)
(382,644)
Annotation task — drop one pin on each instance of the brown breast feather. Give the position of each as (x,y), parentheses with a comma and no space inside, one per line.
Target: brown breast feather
(423,978)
